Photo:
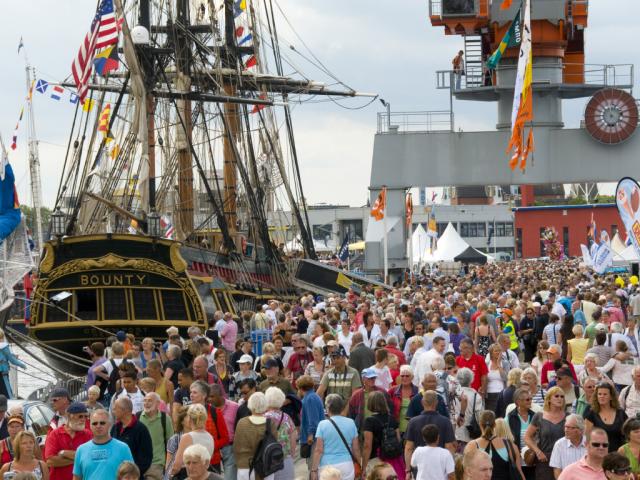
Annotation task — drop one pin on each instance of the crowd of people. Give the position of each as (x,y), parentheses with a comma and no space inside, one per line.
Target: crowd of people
(519,370)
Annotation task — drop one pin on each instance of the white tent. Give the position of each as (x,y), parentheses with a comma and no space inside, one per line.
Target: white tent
(420,243)
(450,245)
(617,245)
(295,245)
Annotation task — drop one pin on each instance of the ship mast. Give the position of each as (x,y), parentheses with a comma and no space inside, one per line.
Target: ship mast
(183,135)
(34,160)
(229,172)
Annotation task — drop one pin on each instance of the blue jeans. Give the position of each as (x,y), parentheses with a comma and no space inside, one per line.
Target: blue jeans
(228,463)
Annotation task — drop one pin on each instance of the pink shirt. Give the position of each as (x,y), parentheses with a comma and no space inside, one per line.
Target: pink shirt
(581,471)
(229,334)
(229,413)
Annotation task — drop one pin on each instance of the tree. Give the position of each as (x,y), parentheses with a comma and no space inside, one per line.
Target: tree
(30,219)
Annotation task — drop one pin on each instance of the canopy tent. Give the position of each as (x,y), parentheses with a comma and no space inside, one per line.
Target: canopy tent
(471,255)
(617,245)
(449,246)
(375,230)
(420,242)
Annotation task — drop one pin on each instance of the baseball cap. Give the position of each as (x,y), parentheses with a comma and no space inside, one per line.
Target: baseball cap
(332,343)
(77,407)
(271,363)
(59,392)
(369,373)
(554,349)
(15,418)
(339,352)
(121,335)
(601,327)
(172,331)
(246,358)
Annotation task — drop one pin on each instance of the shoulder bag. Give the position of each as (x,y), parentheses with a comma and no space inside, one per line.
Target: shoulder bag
(474,428)
(357,468)
(514,472)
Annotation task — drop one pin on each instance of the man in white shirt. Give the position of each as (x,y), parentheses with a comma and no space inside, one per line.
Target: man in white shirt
(616,334)
(423,365)
(432,461)
(131,391)
(219,322)
(570,448)
(629,398)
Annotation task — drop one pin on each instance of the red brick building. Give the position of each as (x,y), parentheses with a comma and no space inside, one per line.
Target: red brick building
(570,221)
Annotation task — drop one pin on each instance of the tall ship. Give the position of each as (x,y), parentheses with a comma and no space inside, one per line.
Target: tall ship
(182,143)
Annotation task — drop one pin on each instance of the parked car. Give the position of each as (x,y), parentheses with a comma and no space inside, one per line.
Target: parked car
(37,416)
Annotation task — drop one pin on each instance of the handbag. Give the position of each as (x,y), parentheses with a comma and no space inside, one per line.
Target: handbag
(357,468)
(530,458)
(514,473)
(474,428)
(305,450)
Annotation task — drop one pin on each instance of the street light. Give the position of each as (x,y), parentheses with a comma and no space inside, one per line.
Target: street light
(58,223)
(153,224)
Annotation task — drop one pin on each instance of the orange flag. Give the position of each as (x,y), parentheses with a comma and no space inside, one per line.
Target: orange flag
(409,202)
(506,4)
(377,211)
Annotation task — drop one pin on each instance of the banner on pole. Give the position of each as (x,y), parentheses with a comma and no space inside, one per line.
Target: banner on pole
(628,202)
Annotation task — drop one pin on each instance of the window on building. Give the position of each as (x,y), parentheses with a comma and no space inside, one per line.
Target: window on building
(322,232)
(354,229)
(87,304)
(542,252)
(473,229)
(565,240)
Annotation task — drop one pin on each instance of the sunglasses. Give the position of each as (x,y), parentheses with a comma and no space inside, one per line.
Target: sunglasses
(599,445)
(621,471)
(98,423)
(558,396)
(405,375)
(390,477)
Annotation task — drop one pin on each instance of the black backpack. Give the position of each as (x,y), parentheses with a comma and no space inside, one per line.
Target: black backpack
(390,446)
(269,456)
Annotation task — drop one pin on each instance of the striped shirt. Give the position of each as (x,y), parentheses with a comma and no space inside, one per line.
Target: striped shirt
(343,383)
(565,453)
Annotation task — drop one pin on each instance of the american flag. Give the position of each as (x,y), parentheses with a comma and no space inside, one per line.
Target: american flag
(104,32)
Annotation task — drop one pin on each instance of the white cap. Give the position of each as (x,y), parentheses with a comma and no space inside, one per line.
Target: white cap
(246,358)
(172,331)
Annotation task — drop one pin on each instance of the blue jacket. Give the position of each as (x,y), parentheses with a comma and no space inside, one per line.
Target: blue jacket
(7,357)
(312,414)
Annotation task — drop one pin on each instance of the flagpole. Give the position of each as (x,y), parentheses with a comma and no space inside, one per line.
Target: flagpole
(384,242)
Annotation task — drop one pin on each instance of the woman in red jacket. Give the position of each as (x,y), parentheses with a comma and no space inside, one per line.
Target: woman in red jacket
(215,425)
(401,395)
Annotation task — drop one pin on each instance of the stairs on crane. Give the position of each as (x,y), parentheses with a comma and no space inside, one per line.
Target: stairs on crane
(473,61)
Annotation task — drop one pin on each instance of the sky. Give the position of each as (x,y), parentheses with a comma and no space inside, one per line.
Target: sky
(385,47)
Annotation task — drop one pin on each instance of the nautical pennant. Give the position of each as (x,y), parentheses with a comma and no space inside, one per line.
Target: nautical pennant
(42,85)
(57,93)
(377,211)
(523,97)
(107,60)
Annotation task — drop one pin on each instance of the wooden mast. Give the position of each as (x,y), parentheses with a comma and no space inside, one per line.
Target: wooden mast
(183,137)
(231,126)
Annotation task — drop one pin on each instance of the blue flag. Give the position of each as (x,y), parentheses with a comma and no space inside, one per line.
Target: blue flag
(343,253)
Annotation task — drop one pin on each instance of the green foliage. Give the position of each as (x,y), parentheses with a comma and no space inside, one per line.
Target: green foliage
(30,218)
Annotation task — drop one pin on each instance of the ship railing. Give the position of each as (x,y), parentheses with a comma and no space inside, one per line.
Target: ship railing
(75,387)
(590,74)
(415,122)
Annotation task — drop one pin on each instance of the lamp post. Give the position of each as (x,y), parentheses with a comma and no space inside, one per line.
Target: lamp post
(58,223)
(153,224)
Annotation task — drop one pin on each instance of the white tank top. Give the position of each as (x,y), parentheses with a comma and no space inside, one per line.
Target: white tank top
(202,438)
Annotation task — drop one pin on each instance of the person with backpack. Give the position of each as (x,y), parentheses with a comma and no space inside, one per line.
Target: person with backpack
(107,374)
(381,436)
(255,447)
(160,429)
(286,432)
(128,389)
(336,442)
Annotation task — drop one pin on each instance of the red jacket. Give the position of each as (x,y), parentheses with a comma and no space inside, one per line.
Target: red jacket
(396,398)
(217,427)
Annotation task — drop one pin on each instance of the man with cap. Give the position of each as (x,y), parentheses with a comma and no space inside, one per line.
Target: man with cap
(121,335)
(62,443)
(60,401)
(564,380)
(4,432)
(272,370)
(548,369)
(300,358)
(244,371)
(358,401)
(341,378)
